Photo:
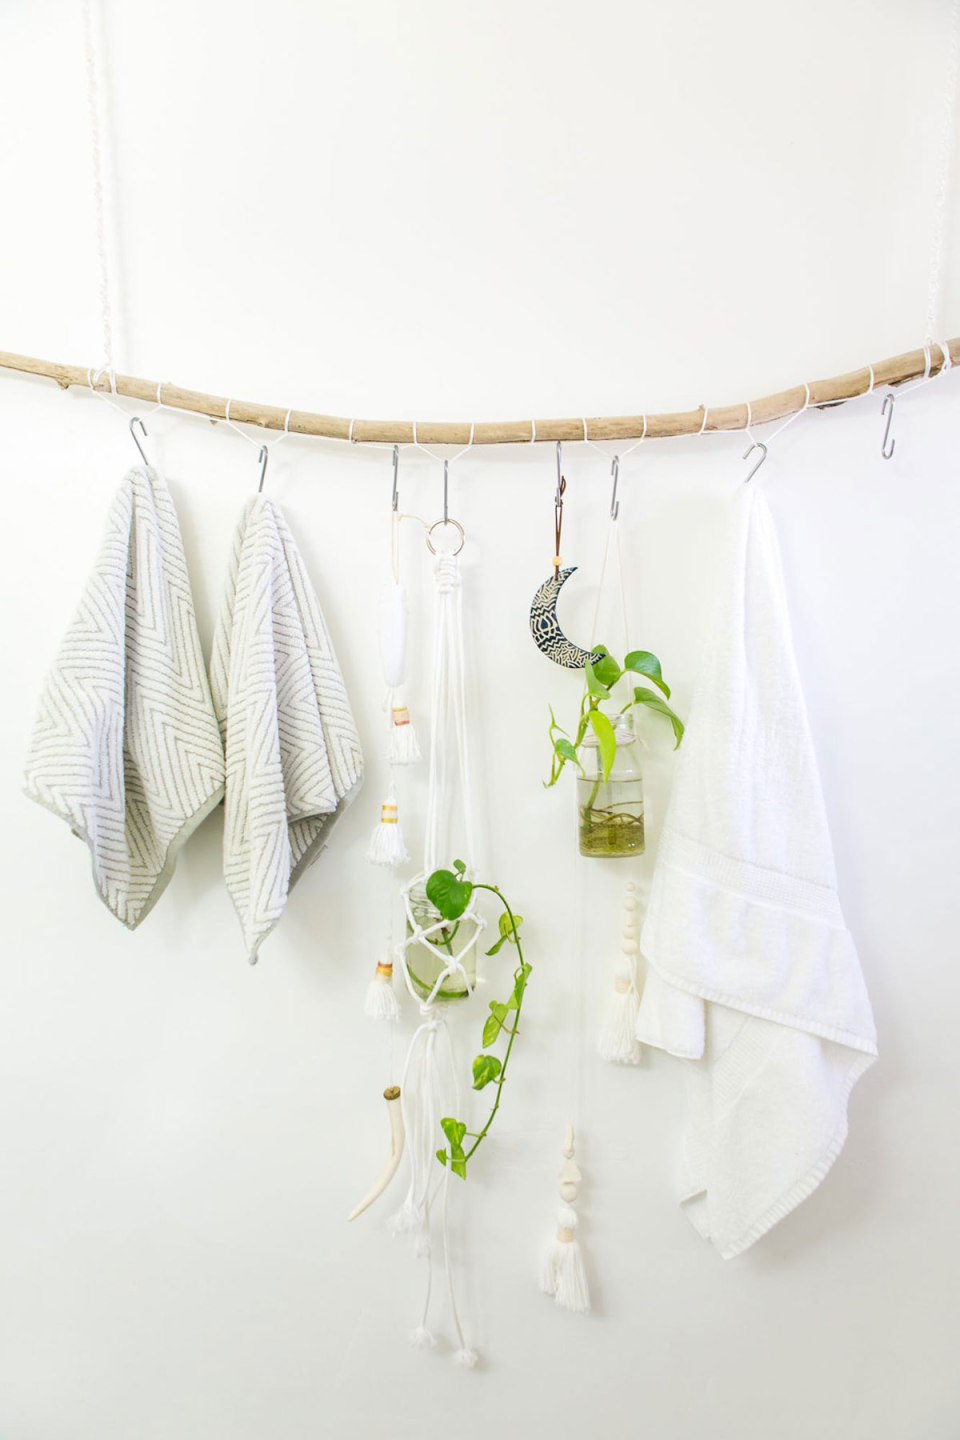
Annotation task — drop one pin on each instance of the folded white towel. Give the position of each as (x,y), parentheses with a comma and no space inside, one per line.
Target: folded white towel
(293,754)
(126,747)
(753,974)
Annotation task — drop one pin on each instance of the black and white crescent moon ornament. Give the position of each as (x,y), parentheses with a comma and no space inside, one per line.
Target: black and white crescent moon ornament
(545,627)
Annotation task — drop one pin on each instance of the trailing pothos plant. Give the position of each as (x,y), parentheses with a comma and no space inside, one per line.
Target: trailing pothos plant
(449,891)
(601,681)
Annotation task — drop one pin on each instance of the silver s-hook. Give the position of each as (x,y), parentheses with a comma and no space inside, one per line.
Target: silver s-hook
(614,502)
(757,445)
(263,457)
(888,446)
(395,498)
(134,422)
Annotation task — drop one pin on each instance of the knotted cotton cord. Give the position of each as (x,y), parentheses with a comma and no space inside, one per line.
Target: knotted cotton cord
(939,226)
(91,29)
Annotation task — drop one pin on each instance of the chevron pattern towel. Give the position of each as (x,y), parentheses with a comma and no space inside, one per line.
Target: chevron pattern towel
(293,754)
(126,747)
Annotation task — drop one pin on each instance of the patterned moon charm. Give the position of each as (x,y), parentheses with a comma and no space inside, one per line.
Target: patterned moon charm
(545,627)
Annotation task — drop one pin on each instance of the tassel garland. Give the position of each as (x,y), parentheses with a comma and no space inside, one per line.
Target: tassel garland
(618,1041)
(563,1273)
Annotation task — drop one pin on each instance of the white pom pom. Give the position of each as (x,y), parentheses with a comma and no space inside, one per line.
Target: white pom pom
(380,1002)
(421,1339)
(618,1041)
(466,1357)
(393,634)
(386,843)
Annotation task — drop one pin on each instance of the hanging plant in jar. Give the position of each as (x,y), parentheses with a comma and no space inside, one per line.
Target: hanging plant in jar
(604,749)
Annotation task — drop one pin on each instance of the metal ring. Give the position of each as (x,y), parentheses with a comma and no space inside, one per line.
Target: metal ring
(437,524)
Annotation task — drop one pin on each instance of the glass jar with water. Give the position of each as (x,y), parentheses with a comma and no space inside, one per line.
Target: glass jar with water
(451,938)
(610,812)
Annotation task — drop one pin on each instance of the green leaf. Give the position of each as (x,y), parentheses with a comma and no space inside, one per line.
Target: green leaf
(459,1165)
(607,670)
(643,662)
(594,685)
(460,867)
(507,932)
(491,1030)
(448,894)
(605,739)
(509,928)
(565,750)
(520,984)
(442,1156)
(485,1069)
(454,1131)
(642,696)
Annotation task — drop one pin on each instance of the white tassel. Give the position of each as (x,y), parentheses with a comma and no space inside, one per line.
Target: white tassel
(421,1339)
(403,748)
(465,1357)
(386,843)
(563,1275)
(407,1219)
(618,1041)
(393,634)
(380,1002)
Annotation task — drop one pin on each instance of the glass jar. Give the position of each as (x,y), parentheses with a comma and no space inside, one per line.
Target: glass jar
(610,812)
(424,967)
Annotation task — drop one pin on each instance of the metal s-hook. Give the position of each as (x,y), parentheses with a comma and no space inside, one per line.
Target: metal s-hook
(614,502)
(447,520)
(134,422)
(757,445)
(888,446)
(395,497)
(561,485)
(263,457)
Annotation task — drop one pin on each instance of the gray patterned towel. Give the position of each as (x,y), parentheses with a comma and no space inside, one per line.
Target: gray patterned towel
(126,746)
(293,754)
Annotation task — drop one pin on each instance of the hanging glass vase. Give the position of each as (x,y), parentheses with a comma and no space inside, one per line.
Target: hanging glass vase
(610,812)
(448,940)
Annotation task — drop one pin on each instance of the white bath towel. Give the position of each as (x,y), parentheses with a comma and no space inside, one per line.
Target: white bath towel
(293,755)
(126,747)
(753,976)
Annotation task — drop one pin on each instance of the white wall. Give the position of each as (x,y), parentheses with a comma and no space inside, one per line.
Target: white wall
(446,210)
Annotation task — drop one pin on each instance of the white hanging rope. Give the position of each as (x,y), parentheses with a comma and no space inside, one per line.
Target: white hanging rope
(92,28)
(945,163)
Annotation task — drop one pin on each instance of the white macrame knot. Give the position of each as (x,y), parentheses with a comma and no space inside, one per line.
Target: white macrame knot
(447,573)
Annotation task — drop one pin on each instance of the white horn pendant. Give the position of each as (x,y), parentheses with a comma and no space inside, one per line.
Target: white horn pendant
(397,1137)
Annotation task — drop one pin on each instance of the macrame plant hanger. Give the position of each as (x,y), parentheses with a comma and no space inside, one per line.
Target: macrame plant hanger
(437,959)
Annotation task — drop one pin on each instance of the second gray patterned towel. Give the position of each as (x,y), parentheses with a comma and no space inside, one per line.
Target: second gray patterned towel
(292,751)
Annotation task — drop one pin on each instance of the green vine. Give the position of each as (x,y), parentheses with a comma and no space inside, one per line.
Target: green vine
(449,891)
(600,682)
